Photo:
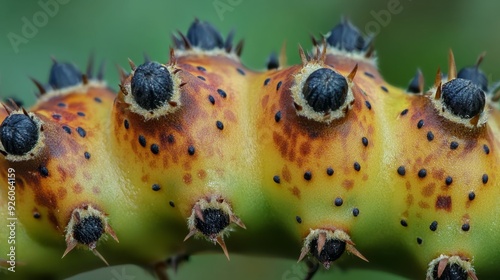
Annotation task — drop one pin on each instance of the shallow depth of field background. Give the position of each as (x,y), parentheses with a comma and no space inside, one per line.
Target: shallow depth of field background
(419,35)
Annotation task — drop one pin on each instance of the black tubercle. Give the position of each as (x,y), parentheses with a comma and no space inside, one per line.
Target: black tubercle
(88,230)
(63,74)
(273,61)
(463,98)
(215,221)
(331,251)
(325,90)
(18,134)
(475,75)
(451,272)
(152,85)
(345,36)
(204,35)
(414,86)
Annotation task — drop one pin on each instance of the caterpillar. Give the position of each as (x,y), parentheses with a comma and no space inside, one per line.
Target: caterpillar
(323,162)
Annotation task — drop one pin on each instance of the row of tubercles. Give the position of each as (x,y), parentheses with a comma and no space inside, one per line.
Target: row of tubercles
(22,139)
(153,91)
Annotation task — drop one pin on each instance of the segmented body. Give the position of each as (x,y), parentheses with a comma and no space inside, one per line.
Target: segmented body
(305,161)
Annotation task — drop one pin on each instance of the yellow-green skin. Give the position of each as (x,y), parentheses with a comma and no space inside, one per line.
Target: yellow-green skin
(239,162)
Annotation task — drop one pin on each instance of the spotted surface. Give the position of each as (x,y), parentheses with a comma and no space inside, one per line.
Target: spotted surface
(194,146)
(391,174)
(56,179)
(439,205)
(315,170)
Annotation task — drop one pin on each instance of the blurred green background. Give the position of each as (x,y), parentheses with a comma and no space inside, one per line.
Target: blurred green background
(418,35)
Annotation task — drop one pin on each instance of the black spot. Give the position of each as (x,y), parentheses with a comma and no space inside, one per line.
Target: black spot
(36,215)
(170,139)
(325,90)
(298,219)
(211,99)
(201,68)
(215,220)
(384,88)
(171,203)
(463,98)
(368,104)
(81,132)
(453,145)
(451,272)
(86,155)
(346,36)
(401,170)
(279,85)
(276,179)
(414,86)
(308,175)
(204,35)
(475,75)
(219,125)
(266,82)
(277,116)
(422,173)
(273,61)
(201,78)
(368,74)
(66,129)
(332,250)
(43,171)
(486,149)
(126,124)
(472,195)
(419,240)
(338,201)
(430,136)
(485,178)
(329,171)
(222,93)
(355,212)
(465,227)
(420,124)
(404,112)
(142,140)
(433,226)
(155,149)
(357,167)
(61,104)
(155,187)
(152,85)
(191,150)
(18,134)
(56,117)
(97,99)
(81,114)
(64,75)
(404,223)
(448,180)
(88,230)
(240,71)
(364,140)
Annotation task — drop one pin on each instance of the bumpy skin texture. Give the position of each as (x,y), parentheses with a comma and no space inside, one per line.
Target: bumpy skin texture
(394,178)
